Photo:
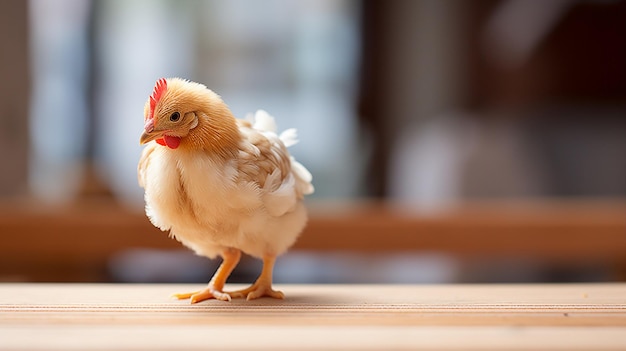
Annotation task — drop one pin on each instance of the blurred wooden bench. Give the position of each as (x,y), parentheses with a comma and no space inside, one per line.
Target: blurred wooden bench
(76,240)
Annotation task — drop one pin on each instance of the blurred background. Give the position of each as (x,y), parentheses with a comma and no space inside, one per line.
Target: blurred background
(449,141)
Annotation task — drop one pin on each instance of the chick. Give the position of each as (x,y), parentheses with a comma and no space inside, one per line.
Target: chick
(219,185)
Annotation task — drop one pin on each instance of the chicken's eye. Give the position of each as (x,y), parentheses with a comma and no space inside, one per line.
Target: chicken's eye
(174,117)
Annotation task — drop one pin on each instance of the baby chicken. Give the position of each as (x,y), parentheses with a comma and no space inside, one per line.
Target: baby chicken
(220,185)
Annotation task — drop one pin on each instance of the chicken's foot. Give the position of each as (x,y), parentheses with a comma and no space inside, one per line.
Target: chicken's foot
(263,285)
(215,288)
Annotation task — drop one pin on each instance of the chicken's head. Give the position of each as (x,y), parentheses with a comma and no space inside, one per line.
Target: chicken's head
(180,112)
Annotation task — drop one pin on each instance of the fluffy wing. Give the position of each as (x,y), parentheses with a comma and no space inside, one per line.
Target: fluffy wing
(265,162)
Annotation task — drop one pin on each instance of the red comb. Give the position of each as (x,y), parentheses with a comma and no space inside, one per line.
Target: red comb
(159,88)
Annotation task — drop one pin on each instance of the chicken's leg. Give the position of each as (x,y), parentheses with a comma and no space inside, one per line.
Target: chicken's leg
(216,285)
(263,285)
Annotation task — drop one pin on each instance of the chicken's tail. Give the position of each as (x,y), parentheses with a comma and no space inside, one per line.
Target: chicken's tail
(264,122)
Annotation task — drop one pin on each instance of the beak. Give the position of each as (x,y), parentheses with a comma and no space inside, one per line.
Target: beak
(149,133)
(147,137)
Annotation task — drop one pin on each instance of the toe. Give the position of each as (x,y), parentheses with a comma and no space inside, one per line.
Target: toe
(201,296)
(184,296)
(205,294)
(236,294)
(222,296)
(277,294)
(265,292)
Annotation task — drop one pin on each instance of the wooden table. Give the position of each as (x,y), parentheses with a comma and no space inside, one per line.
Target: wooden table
(363,317)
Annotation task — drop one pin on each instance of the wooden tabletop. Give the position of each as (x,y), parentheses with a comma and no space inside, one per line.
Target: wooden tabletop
(363,317)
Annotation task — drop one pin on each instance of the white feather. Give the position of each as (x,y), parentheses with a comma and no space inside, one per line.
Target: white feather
(289,137)
(264,122)
(300,170)
(304,177)
(281,200)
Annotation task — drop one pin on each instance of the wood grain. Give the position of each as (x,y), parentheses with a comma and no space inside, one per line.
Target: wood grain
(439,317)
